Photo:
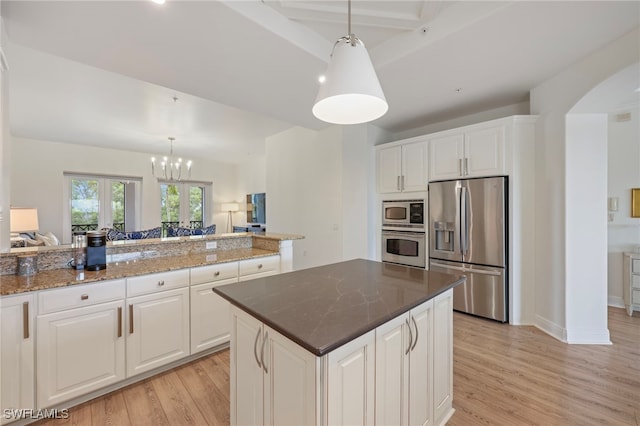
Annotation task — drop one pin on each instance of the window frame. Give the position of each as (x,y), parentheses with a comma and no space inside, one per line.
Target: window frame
(105,218)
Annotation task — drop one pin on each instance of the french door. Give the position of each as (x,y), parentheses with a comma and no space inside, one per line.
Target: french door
(96,202)
(182,204)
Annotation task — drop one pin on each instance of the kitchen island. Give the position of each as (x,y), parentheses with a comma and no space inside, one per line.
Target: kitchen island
(356,342)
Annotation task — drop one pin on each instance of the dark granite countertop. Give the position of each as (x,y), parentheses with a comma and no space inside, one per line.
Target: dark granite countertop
(325,307)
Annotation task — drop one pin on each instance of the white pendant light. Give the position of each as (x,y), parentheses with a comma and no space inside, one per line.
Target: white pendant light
(351,92)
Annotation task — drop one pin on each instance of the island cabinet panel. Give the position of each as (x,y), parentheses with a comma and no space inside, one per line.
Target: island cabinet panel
(443,357)
(404,369)
(78,351)
(17,322)
(273,380)
(350,382)
(158,329)
(289,381)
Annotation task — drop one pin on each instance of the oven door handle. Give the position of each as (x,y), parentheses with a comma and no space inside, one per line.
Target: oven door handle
(403,234)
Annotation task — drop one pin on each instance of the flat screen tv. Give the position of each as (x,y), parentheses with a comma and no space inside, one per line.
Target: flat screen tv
(256,208)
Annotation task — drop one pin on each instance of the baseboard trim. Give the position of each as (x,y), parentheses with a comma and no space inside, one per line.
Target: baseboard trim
(615,301)
(551,328)
(579,336)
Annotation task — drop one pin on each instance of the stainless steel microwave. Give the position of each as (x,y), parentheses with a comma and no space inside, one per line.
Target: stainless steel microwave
(403,215)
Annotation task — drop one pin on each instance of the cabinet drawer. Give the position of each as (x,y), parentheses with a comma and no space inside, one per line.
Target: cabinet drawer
(213,273)
(635,281)
(635,297)
(260,265)
(80,295)
(635,266)
(152,283)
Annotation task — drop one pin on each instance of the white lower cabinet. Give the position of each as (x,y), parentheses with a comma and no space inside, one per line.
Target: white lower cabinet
(17,317)
(80,348)
(404,369)
(210,313)
(259,267)
(158,329)
(399,374)
(273,379)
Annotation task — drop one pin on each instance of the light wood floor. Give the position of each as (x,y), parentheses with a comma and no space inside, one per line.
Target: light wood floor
(503,375)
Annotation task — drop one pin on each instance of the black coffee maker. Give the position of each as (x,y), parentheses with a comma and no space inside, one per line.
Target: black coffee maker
(96,250)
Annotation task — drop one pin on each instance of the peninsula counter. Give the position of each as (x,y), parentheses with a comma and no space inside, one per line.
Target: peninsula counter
(356,342)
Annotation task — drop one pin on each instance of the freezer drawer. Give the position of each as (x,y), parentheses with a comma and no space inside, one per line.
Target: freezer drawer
(483,294)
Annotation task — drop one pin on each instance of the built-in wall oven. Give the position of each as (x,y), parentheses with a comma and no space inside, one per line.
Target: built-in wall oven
(403,232)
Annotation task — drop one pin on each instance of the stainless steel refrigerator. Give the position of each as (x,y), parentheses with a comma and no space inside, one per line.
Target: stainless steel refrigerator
(468,235)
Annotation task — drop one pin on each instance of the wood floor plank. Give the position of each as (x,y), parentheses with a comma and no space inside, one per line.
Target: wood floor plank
(143,404)
(212,401)
(110,409)
(176,401)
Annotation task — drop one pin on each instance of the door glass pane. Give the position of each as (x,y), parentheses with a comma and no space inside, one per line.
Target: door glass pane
(118,205)
(85,205)
(196,206)
(169,206)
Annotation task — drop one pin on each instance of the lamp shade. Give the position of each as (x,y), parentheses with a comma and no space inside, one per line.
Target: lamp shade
(23,220)
(351,93)
(230,207)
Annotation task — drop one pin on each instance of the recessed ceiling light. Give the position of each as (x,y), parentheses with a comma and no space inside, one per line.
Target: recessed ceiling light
(158,1)
(322,78)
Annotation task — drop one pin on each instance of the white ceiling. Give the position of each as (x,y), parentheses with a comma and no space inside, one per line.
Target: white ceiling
(104,72)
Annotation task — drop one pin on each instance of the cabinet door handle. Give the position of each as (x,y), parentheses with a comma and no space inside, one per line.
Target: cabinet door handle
(398,183)
(130,319)
(161,283)
(119,321)
(84,297)
(466,166)
(264,364)
(25,320)
(415,342)
(402,183)
(260,266)
(460,169)
(255,349)
(216,274)
(410,336)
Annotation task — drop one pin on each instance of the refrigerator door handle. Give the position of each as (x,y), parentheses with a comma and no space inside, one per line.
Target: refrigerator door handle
(463,269)
(464,226)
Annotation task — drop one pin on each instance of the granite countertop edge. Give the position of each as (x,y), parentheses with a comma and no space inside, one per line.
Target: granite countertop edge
(322,308)
(44,280)
(321,351)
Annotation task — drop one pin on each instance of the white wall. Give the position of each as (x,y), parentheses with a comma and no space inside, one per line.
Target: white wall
(586,228)
(552,100)
(321,184)
(5,151)
(623,174)
(251,179)
(37,179)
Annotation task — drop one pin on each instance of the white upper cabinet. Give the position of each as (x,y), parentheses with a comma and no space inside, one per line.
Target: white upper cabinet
(470,153)
(403,167)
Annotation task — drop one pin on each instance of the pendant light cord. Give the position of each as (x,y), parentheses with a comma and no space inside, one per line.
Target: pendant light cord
(352,37)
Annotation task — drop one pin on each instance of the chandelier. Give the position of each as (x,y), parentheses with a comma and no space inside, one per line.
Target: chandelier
(170,168)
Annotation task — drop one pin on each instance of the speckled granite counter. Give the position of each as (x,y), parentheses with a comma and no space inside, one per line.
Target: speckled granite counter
(13,284)
(324,307)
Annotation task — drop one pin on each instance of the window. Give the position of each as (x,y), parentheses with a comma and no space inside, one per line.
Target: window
(97,202)
(182,204)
